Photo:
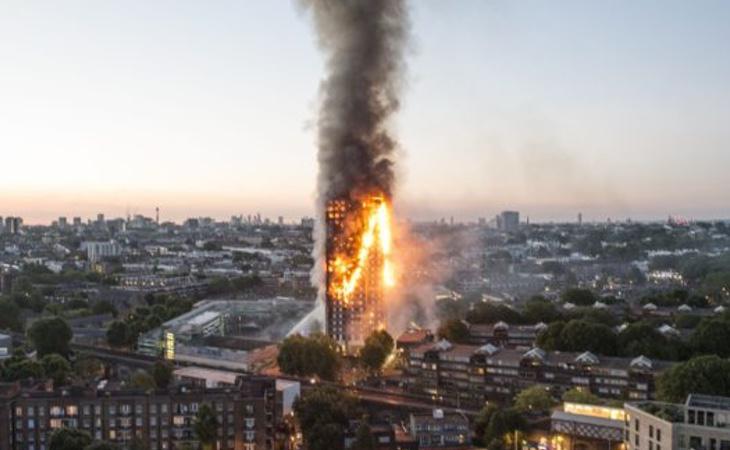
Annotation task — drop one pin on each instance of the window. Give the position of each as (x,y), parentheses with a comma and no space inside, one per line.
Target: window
(710,418)
(636,424)
(651,431)
(700,417)
(691,416)
(636,440)
(659,435)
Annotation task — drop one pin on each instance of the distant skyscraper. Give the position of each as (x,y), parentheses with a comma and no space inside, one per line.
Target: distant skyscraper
(62,222)
(580,218)
(77,222)
(508,220)
(100,218)
(13,225)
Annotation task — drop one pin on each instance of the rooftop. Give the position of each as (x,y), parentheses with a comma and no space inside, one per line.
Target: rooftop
(708,401)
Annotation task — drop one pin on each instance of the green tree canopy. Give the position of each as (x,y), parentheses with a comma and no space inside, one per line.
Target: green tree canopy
(315,355)
(454,330)
(69,439)
(581,335)
(10,318)
(708,374)
(376,350)
(51,335)
(18,367)
(712,337)
(578,395)
(643,338)
(162,373)
(117,335)
(579,296)
(323,414)
(502,427)
(534,399)
(481,422)
(492,313)
(206,426)
(56,367)
(538,309)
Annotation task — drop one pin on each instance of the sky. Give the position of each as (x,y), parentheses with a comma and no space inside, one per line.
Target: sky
(614,109)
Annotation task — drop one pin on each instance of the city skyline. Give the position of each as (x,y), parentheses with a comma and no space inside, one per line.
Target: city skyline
(208,111)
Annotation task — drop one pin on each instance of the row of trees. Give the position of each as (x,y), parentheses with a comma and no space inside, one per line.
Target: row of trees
(161,308)
(317,355)
(639,338)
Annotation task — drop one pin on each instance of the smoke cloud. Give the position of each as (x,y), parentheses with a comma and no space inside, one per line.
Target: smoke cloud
(364,43)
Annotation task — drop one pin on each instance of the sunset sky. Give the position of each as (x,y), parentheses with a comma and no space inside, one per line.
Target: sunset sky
(615,109)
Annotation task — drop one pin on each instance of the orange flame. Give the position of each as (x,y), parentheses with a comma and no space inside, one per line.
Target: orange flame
(376,233)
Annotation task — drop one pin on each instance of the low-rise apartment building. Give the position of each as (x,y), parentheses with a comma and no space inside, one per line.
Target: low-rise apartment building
(160,419)
(469,375)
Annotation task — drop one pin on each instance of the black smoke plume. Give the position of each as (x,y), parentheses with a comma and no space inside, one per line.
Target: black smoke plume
(364,42)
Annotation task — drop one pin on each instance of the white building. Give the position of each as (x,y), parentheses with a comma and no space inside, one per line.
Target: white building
(701,423)
(96,251)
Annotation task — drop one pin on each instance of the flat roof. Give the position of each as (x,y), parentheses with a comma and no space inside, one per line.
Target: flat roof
(580,418)
(708,401)
(218,376)
(204,318)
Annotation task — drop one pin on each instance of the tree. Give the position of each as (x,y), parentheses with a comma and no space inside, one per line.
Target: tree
(162,374)
(18,367)
(581,335)
(69,439)
(323,414)
(206,426)
(642,338)
(535,399)
(10,318)
(491,313)
(117,335)
(502,427)
(708,374)
(364,439)
(482,422)
(376,350)
(538,309)
(454,330)
(315,355)
(578,395)
(104,307)
(711,337)
(549,339)
(51,335)
(56,367)
(579,296)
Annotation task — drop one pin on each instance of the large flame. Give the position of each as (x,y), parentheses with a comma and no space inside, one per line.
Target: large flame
(376,235)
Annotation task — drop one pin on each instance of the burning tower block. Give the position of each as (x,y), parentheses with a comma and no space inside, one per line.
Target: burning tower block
(358,268)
